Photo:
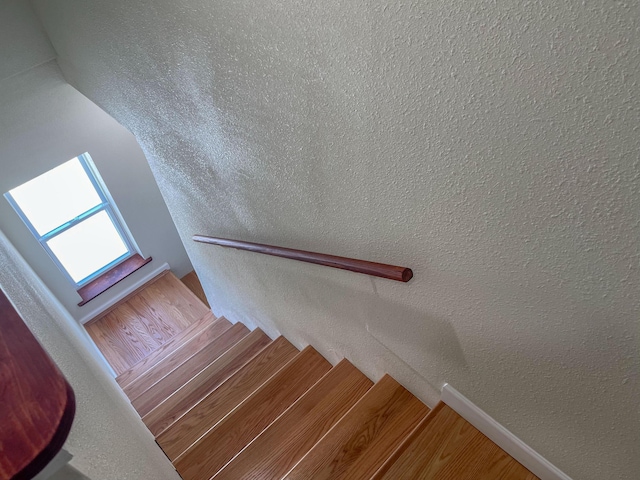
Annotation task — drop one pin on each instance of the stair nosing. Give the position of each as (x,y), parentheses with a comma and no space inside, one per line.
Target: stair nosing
(190,357)
(248,361)
(356,406)
(186,339)
(247,399)
(256,332)
(186,359)
(294,405)
(402,446)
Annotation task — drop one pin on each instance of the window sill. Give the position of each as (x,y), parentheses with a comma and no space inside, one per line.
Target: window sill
(108,279)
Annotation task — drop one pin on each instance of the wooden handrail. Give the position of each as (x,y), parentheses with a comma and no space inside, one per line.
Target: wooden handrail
(393,272)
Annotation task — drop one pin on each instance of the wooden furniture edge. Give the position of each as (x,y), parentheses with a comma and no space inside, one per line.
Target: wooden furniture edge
(56,443)
(38,400)
(111,277)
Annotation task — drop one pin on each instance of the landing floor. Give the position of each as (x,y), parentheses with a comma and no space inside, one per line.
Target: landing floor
(146,320)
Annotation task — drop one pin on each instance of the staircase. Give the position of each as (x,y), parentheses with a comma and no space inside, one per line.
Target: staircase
(224,402)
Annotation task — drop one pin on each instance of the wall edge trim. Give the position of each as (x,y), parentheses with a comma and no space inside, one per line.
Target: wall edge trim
(502,437)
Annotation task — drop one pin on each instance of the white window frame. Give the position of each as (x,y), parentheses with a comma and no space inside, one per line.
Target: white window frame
(106,205)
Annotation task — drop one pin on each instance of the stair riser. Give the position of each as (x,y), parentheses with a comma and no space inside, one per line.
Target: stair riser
(291,436)
(177,358)
(126,378)
(176,438)
(205,382)
(158,392)
(242,425)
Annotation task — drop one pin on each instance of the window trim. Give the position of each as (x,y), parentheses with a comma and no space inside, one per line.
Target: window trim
(106,205)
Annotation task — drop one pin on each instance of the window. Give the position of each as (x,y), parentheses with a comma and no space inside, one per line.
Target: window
(68,211)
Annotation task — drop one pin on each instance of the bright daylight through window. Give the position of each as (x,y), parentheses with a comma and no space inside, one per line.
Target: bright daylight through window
(68,211)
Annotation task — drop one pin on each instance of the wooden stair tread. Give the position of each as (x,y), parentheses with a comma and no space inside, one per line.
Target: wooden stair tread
(279,447)
(446,446)
(167,348)
(183,432)
(175,293)
(159,391)
(229,403)
(231,434)
(358,444)
(205,381)
(174,359)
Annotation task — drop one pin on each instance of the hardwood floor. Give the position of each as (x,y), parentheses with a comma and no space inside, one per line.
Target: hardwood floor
(283,443)
(190,392)
(160,390)
(214,449)
(184,431)
(447,447)
(147,320)
(177,358)
(195,330)
(227,403)
(356,447)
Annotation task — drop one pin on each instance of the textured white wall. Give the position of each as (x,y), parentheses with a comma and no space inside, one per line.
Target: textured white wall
(492,146)
(108,440)
(44,122)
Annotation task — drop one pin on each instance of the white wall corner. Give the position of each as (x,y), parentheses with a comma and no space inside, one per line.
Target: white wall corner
(60,460)
(502,437)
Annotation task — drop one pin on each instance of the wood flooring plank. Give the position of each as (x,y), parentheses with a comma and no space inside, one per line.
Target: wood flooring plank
(121,341)
(142,312)
(278,448)
(176,358)
(192,282)
(145,321)
(183,432)
(168,347)
(220,444)
(163,388)
(358,444)
(127,297)
(170,299)
(445,446)
(117,359)
(205,382)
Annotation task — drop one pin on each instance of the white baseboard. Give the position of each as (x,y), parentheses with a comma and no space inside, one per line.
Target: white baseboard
(502,437)
(144,279)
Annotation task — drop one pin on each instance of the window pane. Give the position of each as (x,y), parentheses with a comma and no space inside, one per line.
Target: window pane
(55,197)
(87,247)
